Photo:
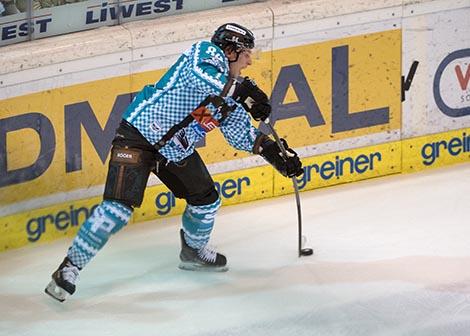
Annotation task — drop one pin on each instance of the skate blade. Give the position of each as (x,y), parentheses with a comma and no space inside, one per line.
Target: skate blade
(189,266)
(56,292)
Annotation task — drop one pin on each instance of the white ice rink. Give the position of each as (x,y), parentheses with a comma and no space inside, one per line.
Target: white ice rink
(392,257)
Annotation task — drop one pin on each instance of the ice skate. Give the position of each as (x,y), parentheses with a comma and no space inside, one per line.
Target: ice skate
(63,281)
(204,259)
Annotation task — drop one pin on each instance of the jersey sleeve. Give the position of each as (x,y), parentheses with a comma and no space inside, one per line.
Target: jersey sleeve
(209,68)
(238,129)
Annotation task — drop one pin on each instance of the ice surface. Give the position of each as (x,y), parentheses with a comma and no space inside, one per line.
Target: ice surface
(392,257)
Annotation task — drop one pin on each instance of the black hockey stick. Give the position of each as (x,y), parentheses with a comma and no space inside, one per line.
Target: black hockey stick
(303,251)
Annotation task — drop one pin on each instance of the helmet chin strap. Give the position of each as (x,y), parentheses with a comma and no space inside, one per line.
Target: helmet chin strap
(238,55)
(236,59)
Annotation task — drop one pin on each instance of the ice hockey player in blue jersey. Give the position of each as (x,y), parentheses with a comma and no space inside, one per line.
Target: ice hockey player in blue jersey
(158,133)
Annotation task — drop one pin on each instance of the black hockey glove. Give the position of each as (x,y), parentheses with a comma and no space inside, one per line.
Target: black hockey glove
(260,111)
(289,166)
(253,99)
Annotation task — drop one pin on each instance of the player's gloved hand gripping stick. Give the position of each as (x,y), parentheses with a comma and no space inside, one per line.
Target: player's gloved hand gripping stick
(256,102)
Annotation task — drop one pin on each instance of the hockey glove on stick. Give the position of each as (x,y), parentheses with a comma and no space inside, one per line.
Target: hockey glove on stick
(252,98)
(289,165)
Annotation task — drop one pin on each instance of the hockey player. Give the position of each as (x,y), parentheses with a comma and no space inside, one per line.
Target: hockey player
(158,133)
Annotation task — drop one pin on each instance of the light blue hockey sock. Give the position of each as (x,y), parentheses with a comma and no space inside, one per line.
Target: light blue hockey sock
(198,221)
(107,219)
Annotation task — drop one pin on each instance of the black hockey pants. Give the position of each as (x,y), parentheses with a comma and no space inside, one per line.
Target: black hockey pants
(132,160)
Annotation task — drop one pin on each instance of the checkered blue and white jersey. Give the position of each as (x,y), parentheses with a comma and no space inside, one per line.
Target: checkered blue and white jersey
(201,70)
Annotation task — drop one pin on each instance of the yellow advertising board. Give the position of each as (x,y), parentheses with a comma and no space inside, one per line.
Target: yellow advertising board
(338,89)
(58,140)
(234,187)
(348,166)
(48,147)
(406,156)
(47,224)
(437,150)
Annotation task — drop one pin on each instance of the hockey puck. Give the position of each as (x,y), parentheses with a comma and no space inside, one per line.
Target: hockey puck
(306,251)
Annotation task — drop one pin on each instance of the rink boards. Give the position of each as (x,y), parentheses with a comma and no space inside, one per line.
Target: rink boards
(69,151)
(411,155)
(335,87)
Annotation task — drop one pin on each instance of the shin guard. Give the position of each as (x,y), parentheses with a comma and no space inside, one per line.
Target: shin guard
(198,221)
(108,218)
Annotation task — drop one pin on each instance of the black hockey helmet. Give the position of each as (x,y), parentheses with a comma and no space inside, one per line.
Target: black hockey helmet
(232,34)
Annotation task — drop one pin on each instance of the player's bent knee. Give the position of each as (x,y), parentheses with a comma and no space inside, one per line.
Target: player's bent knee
(206,198)
(108,218)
